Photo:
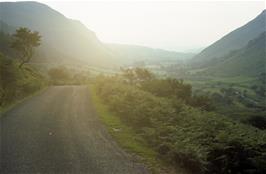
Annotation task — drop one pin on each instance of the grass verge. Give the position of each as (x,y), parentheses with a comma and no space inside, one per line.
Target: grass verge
(126,137)
(9,106)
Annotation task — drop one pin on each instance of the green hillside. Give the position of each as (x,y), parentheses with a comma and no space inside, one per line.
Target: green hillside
(247,61)
(235,40)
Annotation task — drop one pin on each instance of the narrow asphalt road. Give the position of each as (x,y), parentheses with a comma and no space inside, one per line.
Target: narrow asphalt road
(58,132)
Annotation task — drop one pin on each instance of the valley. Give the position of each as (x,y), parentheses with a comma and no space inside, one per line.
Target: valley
(71,103)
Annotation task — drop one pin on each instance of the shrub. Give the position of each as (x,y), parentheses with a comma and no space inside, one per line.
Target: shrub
(16,83)
(202,141)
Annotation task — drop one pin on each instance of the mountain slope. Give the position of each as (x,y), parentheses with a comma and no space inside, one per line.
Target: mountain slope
(232,41)
(248,61)
(66,36)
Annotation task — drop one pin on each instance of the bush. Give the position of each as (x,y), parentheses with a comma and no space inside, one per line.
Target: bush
(59,75)
(16,83)
(257,121)
(202,141)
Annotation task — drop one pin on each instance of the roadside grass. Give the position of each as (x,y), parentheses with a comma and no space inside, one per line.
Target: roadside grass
(127,138)
(5,108)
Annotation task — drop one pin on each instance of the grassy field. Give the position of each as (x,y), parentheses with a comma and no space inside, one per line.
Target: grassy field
(214,84)
(246,102)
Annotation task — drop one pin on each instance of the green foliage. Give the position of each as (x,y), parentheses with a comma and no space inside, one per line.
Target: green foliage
(135,76)
(258,121)
(203,102)
(203,142)
(59,75)
(240,98)
(16,83)
(24,41)
(62,75)
(169,88)
(5,39)
(125,136)
(248,60)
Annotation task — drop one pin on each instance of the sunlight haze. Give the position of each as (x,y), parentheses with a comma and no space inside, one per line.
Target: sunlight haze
(172,25)
(133,87)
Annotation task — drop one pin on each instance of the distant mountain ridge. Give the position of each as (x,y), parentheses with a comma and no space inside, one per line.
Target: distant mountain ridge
(233,41)
(135,53)
(67,39)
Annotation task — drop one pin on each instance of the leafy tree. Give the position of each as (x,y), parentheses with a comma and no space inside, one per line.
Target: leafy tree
(7,72)
(135,76)
(59,75)
(143,74)
(17,83)
(8,78)
(202,102)
(5,39)
(24,42)
(170,88)
(128,74)
(80,77)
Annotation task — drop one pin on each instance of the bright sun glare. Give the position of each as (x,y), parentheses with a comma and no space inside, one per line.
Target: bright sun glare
(172,25)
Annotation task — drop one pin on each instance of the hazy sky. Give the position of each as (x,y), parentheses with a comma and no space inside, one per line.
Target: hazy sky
(173,25)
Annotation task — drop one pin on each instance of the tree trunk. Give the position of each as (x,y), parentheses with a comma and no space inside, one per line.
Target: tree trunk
(21,64)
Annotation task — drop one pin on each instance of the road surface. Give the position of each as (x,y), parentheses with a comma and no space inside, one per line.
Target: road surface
(58,132)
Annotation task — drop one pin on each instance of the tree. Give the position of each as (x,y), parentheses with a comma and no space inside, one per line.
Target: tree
(129,75)
(201,101)
(8,78)
(135,76)
(143,74)
(169,88)
(24,42)
(59,75)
